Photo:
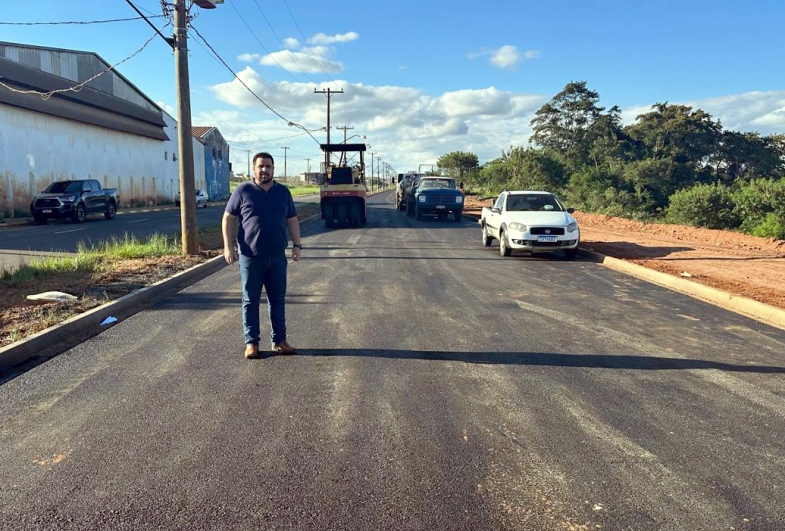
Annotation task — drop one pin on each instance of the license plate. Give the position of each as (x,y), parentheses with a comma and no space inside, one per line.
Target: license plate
(440,207)
(547,239)
(47,211)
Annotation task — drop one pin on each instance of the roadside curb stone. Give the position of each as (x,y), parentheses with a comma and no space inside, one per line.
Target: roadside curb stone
(79,328)
(747,307)
(764,313)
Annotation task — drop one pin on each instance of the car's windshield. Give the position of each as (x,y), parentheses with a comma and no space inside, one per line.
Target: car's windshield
(64,187)
(533,202)
(437,183)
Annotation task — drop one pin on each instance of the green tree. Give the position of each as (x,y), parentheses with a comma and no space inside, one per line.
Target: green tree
(565,124)
(458,163)
(678,133)
(748,156)
(533,169)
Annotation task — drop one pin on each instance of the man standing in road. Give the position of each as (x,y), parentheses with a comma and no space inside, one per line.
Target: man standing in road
(266,212)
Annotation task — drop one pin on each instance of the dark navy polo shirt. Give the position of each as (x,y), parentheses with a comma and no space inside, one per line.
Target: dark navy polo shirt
(262,217)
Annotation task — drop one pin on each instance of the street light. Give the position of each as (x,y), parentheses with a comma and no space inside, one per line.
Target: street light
(345,139)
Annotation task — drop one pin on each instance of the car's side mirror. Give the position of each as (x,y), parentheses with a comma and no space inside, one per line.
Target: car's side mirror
(570,210)
(497,210)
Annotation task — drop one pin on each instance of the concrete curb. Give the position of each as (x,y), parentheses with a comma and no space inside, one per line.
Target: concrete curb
(736,303)
(742,305)
(77,329)
(62,336)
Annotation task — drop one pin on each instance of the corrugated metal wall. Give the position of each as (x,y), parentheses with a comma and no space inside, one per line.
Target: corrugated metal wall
(37,149)
(76,67)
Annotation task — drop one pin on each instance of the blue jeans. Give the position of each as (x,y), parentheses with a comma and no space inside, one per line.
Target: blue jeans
(270,272)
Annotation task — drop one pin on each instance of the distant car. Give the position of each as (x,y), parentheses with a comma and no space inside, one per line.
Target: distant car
(201,198)
(530,221)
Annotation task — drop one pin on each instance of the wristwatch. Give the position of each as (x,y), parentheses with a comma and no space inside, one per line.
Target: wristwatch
(298,245)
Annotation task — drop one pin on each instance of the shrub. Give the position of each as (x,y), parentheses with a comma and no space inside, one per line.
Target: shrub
(771,227)
(703,205)
(757,200)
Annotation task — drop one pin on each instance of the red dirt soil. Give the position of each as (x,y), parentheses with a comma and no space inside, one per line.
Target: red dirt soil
(736,263)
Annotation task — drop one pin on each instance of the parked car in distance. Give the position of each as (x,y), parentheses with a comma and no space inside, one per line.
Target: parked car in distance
(201,198)
(437,196)
(530,221)
(75,200)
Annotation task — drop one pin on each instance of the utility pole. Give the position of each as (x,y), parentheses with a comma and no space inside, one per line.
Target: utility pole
(248,152)
(344,128)
(284,161)
(309,165)
(188,226)
(372,154)
(343,153)
(329,93)
(378,166)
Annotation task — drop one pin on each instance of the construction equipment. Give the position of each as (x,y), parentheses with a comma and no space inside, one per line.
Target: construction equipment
(342,192)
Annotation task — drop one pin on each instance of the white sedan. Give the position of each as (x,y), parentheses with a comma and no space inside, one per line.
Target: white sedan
(530,221)
(201,198)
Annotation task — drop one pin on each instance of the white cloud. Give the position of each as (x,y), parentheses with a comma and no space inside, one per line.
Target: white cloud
(291,42)
(506,57)
(299,61)
(326,40)
(168,108)
(249,57)
(403,124)
(759,111)
(775,118)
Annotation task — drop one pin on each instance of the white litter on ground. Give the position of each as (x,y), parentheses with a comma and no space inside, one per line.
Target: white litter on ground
(52,296)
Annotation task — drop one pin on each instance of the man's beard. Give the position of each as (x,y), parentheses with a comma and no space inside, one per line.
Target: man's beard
(265,178)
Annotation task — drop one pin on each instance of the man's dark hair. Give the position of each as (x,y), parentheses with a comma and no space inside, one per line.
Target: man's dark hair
(263,155)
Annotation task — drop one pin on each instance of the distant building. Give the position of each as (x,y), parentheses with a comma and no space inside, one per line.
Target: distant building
(216,161)
(106,130)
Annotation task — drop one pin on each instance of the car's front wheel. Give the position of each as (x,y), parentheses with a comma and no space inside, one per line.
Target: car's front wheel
(504,249)
(79,214)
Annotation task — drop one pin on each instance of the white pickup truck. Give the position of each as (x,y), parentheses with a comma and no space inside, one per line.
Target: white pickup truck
(530,221)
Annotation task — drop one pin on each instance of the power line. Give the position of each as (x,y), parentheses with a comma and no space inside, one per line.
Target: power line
(78,87)
(282,44)
(73,22)
(306,41)
(269,54)
(248,88)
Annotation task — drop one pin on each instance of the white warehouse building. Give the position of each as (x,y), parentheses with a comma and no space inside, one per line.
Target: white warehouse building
(108,130)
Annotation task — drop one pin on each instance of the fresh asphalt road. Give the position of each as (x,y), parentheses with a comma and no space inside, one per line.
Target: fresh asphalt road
(439,386)
(64,235)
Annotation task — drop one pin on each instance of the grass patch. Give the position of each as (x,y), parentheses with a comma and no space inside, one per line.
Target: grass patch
(48,266)
(90,259)
(304,190)
(130,247)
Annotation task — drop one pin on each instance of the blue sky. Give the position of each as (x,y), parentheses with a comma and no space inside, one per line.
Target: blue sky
(422,78)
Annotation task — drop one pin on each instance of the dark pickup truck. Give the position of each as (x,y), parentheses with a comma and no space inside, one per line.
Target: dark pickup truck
(437,196)
(76,200)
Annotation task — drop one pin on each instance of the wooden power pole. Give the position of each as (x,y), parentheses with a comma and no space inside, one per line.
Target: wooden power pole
(329,93)
(188,226)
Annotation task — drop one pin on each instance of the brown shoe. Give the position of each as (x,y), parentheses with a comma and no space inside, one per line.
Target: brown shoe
(283,348)
(251,351)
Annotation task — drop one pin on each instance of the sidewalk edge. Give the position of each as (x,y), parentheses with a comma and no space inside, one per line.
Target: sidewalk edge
(742,305)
